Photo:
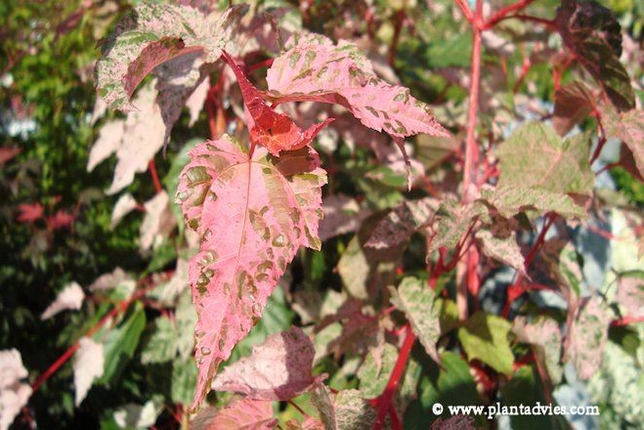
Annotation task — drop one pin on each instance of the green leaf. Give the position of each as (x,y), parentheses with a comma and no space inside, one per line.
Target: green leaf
(454,221)
(184,379)
(534,156)
(376,369)
(416,300)
(523,389)
(485,337)
(121,343)
(502,248)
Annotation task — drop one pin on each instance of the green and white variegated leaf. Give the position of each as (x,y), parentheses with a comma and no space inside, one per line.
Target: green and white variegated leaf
(416,300)
(534,156)
(376,369)
(504,249)
(152,34)
(587,337)
(454,221)
(545,336)
(629,128)
(513,199)
(161,346)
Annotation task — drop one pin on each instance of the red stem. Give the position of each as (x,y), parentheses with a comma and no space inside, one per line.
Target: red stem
(265,63)
(548,23)
(627,320)
(385,400)
(515,290)
(400,16)
(502,13)
(467,12)
(122,306)
(155,177)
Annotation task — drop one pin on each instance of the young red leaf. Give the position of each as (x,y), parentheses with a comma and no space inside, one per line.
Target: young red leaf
(573,102)
(278,369)
(317,70)
(30,213)
(272,130)
(252,215)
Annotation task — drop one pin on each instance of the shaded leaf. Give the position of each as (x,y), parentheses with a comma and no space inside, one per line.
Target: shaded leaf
(344,410)
(513,199)
(71,297)
(89,364)
(501,247)
(342,215)
(402,222)
(545,335)
(416,300)
(573,103)
(593,34)
(454,221)
(252,216)
(485,337)
(278,369)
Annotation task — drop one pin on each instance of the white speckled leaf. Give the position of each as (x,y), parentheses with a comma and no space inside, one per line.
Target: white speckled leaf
(403,221)
(124,205)
(416,300)
(71,297)
(545,335)
(89,364)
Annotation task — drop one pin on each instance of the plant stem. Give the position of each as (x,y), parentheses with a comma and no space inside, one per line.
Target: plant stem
(502,13)
(122,307)
(155,177)
(385,400)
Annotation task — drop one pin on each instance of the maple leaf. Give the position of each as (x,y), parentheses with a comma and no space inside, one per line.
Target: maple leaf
(545,335)
(61,219)
(315,69)
(71,297)
(252,214)
(89,364)
(159,221)
(344,410)
(275,131)
(629,128)
(30,212)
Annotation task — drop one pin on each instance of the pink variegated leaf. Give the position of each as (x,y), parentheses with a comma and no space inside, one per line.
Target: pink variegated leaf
(246,414)
(587,337)
(274,131)
(315,69)
(252,214)
(278,369)
(545,336)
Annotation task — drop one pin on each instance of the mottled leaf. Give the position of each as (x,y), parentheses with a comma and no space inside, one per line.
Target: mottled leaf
(161,345)
(342,215)
(278,369)
(534,156)
(416,300)
(587,337)
(403,221)
(629,128)
(513,199)
(344,410)
(110,281)
(503,248)
(71,297)
(315,69)
(89,364)
(252,215)
(454,221)
(546,337)
(376,369)
(630,293)
(485,337)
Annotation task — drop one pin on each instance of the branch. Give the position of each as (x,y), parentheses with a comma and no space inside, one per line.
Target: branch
(502,13)
(155,177)
(467,12)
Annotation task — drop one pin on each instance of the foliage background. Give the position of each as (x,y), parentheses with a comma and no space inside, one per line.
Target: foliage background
(46,101)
